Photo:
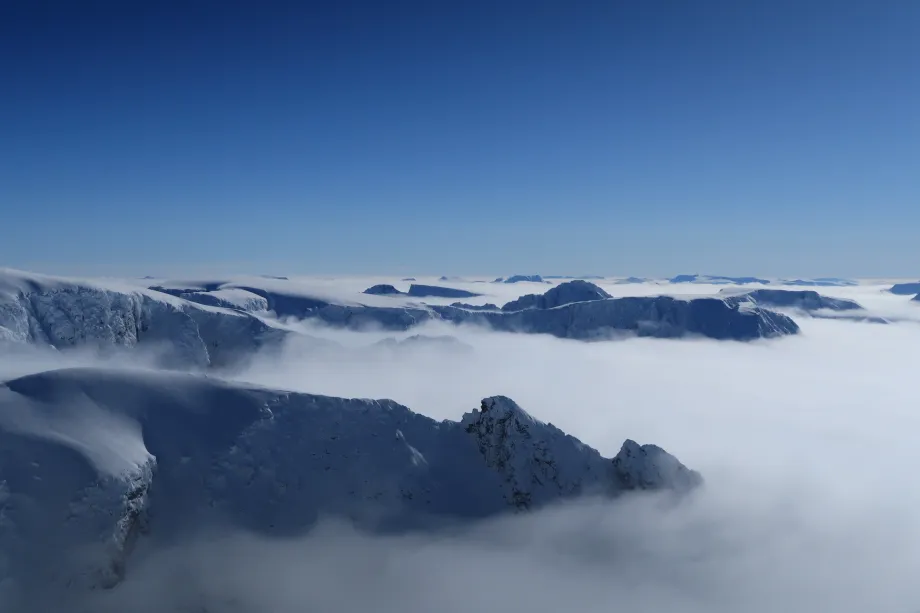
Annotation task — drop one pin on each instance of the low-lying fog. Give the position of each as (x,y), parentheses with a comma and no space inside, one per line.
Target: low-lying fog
(808,445)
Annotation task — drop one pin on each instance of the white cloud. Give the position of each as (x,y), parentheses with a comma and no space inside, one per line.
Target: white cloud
(808,446)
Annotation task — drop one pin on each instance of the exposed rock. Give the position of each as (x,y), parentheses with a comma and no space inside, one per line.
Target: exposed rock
(538,463)
(434,291)
(718,279)
(564,293)
(805,300)
(905,289)
(524,279)
(476,307)
(655,316)
(820,282)
(382,289)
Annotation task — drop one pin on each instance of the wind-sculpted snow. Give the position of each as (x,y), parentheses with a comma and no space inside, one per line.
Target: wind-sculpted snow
(820,282)
(93,460)
(564,293)
(230,298)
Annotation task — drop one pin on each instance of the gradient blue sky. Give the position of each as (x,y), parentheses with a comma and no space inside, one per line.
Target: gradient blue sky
(463,137)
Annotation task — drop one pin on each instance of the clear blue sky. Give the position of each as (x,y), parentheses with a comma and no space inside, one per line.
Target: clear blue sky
(461,137)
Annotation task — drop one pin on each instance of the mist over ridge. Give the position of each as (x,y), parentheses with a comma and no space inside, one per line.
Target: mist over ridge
(788,515)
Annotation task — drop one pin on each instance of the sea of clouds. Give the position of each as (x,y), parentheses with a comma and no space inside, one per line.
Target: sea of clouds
(808,445)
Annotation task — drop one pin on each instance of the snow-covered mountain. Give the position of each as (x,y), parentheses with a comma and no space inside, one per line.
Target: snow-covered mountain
(805,300)
(654,316)
(808,302)
(905,289)
(220,323)
(92,460)
(564,293)
(718,280)
(64,313)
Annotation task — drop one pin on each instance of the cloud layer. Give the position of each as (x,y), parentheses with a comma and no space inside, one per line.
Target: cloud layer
(808,446)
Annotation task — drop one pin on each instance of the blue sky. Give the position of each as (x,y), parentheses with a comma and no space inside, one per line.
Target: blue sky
(474,137)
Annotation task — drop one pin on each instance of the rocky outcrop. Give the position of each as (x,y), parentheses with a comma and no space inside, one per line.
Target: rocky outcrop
(435,291)
(718,280)
(652,316)
(382,289)
(631,280)
(905,289)
(820,282)
(562,294)
(475,307)
(538,463)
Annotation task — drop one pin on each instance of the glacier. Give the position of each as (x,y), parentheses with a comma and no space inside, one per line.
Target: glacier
(95,461)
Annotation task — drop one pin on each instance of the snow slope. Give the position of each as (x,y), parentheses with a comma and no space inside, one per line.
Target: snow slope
(93,460)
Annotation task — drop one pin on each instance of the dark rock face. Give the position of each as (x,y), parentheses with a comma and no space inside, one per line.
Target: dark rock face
(564,293)
(905,289)
(476,307)
(435,291)
(524,279)
(806,300)
(820,282)
(382,289)
(718,279)
(653,316)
